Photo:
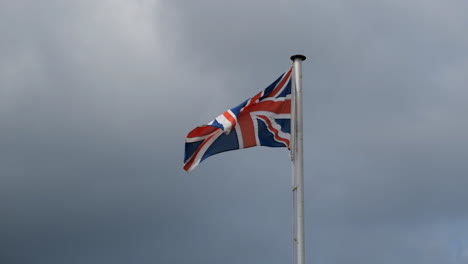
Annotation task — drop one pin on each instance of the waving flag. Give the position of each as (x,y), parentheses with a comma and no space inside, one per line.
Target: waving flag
(263,120)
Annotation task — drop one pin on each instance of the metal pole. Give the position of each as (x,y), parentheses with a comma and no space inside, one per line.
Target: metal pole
(298,160)
(293,183)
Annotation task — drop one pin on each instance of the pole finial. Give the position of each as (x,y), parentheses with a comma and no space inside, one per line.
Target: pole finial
(298,56)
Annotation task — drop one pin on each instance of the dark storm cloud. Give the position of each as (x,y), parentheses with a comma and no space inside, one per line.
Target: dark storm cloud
(96,98)
(83,94)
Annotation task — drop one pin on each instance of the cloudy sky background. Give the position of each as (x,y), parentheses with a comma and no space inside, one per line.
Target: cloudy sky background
(96,98)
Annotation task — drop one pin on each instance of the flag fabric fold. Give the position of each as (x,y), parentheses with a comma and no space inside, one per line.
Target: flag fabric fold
(263,120)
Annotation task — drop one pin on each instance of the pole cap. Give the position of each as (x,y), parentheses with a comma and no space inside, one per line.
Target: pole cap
(298,56)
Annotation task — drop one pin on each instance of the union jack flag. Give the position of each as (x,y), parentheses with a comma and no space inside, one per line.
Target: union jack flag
(263,120)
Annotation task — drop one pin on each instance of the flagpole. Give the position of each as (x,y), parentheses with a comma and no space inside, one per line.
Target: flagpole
(297,153)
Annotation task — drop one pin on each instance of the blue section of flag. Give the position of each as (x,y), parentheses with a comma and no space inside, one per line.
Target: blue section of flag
(268,139)
(222,144)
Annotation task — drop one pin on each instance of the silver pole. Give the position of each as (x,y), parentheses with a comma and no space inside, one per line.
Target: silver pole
(298,162)
(293,183)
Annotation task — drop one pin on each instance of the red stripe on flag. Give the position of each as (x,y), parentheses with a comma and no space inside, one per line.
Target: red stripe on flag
(247,129)
(281,84)
(201,131)
(281,107)
(230,118)
(192,158)
(254,99)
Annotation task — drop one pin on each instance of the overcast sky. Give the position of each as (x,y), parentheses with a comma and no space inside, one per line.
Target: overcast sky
(96,97)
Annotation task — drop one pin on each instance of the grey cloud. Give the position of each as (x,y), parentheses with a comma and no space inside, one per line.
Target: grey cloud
(96,98)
